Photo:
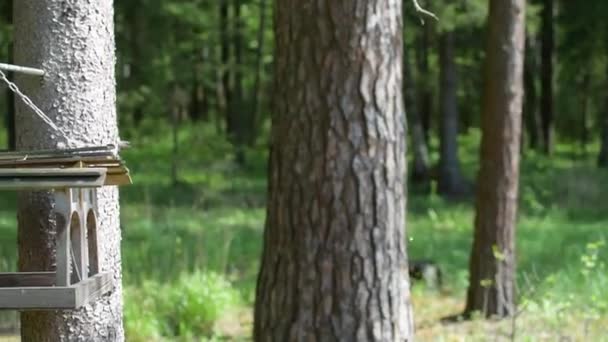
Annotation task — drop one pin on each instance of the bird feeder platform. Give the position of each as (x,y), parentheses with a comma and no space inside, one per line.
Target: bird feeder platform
(73,177)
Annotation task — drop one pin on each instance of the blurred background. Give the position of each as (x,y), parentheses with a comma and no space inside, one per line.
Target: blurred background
(195,95)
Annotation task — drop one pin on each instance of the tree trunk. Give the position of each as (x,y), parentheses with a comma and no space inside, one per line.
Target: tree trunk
(224,74)
(547,40)
(450,182)
(10,96)
(425,95)
(238,133)
(584,97)
(492,264)
(259,65)
(531,96)
(74,43)
(420,174)
(602,160)
(334,264)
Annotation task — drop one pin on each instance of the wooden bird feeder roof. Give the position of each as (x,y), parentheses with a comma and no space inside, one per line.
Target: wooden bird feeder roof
(90,167)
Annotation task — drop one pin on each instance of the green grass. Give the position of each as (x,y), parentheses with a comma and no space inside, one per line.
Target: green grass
(202,237)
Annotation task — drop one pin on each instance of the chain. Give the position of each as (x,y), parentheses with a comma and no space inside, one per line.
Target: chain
(28,102)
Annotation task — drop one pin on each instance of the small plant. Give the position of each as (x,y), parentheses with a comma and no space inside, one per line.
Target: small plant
(186,309)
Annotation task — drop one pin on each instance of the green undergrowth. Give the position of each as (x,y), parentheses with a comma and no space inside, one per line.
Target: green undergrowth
(191,248)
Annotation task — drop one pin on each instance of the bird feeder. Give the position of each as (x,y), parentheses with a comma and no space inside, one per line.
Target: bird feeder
(72,177)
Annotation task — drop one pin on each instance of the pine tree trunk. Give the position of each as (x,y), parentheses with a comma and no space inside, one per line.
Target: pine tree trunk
(74,43)
(259,65)
(425,94)
(602,160)
(451,182)
(236,108)
(225,93)
(492,264)
(530,113)
(420,173)
(334,264)
(10,97)
(547,40)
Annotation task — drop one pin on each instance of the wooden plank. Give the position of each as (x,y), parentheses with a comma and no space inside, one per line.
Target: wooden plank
(58,297)
(27,279)
(93,150)
(63,214)
(20,179)
(38,298)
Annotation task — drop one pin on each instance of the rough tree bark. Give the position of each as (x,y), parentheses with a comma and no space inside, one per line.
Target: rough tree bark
(334,262)
(492,263)
(547,42)
(73,41)
(450,183)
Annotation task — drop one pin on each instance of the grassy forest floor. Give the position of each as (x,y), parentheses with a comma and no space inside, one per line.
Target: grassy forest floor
(191,251)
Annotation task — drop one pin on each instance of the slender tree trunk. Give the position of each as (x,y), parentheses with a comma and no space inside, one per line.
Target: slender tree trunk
(225,86)
(74,43)
(451,182)
(425,95)
(420,174)
(10,96)
(530,113)
(602,160)
(492,264)
(259,65)
(238,135)
(547,40)
(584,96)
(334,264)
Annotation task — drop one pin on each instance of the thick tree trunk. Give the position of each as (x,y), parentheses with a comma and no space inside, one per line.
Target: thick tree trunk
(420,172)
(425,94)
(74,43)
(334,264)
(451,182)
(547,41)
(532,120)
(492,264)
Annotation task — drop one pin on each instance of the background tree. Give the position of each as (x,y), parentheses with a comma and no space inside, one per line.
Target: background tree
(74,43)
(334,261)
(547,48)
(492,262)
(451,182)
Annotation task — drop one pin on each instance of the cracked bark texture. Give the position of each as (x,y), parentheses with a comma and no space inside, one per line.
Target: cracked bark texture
(492,264)
(73,41)
(334,262)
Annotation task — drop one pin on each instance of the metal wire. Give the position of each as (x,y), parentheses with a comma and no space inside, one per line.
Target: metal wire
(28,102)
